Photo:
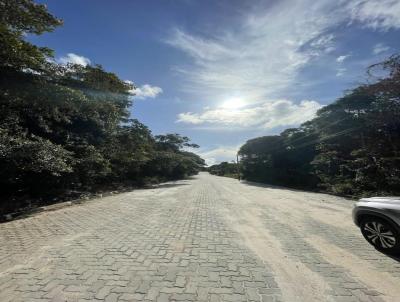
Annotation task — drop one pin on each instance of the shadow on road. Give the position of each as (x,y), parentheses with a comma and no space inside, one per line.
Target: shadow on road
(169,185)
(395,258)
(268,186)
(262,185)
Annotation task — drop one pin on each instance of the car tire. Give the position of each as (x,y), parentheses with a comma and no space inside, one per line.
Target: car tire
(382,234)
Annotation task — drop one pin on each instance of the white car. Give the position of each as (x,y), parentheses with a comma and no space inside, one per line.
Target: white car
(379,222)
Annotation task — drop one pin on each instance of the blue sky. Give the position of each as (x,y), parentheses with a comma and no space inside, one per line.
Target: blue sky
(222,72)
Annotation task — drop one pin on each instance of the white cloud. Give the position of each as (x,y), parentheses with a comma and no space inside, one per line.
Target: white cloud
(340,72)
(261,58)
(376,14)
(267,115)
(219,154)
(380,48)
(341,59)
(323,44)
(145,91)
(74,59)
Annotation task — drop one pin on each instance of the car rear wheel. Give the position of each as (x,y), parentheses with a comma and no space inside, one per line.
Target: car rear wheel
(381,234)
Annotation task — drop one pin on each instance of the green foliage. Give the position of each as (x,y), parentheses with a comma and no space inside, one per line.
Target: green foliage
(224,169)
(350,148)
(173,142)
(33,155)
(67,128)
(170,161)
(280,159)
(18,18)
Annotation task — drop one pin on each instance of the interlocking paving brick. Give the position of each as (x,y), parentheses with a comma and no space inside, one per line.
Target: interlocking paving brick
(167,244)
(339,279)
(142,246)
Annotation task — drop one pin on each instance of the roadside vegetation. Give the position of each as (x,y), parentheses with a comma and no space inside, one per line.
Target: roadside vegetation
(352,146)
(66,130)
(224,169)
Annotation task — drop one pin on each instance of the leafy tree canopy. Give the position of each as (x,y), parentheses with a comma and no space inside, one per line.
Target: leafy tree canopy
(351,147)
(66,130)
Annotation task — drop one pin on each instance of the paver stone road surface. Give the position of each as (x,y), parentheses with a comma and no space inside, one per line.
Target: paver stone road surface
(208,238)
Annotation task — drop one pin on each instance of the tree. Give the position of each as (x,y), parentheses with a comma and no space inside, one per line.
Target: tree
(224,169)
(261,159)
(350,148)
(170,159)
(173,142)
(18,18)
(66,130)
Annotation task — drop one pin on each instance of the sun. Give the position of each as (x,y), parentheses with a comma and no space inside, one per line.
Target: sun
(233,103)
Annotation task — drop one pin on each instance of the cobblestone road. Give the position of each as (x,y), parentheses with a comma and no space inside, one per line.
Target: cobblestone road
(204,239)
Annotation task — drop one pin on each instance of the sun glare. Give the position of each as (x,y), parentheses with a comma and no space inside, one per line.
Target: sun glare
(233,103)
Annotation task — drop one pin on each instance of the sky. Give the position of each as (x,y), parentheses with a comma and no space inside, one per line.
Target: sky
(222,72)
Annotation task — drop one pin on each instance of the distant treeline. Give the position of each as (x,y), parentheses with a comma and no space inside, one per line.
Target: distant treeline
(351,147)
(65,130)
(224,169)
